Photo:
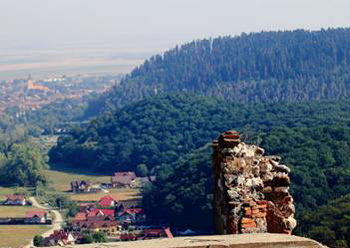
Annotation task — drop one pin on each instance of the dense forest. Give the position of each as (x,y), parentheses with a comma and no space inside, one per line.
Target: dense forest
(259,67)
(163,132)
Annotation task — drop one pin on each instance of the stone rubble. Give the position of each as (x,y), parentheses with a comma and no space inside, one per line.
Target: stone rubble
(251,190)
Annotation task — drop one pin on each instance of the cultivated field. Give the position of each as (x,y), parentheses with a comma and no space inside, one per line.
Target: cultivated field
(14,211)
(60,178)
(19,235)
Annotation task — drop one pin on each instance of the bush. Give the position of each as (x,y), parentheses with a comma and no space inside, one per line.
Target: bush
(99,237)
(38,241)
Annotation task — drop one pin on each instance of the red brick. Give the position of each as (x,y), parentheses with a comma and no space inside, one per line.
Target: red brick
(248,225)
(247,221)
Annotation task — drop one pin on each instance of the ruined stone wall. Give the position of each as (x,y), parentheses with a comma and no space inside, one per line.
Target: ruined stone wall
(251,190)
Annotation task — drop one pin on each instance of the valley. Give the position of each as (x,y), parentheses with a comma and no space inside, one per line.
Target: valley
(133,160)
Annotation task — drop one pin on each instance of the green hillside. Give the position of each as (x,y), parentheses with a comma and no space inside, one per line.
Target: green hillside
(313,139)
(291,66)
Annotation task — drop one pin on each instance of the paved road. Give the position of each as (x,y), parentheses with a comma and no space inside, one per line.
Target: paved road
(56,224)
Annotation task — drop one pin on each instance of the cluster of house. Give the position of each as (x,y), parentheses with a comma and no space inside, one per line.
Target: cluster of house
(118,180)
(117,220)
(33,217)
(16,200)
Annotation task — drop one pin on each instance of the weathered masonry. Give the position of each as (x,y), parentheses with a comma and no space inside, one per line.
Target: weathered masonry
(251,190)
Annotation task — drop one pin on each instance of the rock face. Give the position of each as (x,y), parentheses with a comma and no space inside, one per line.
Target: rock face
(251,190)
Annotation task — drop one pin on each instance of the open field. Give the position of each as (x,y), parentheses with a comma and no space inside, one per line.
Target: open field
(117,194)
(60,178)
(14,211)
(19,235)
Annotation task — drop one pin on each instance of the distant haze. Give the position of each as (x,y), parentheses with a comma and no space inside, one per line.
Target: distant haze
(54,36)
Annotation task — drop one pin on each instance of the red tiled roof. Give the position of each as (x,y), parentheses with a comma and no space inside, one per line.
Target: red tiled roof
(32,213)
(106,201)
(80,216)
(15,197)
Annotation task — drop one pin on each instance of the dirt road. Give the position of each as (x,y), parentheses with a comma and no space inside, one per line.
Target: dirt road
(56,224)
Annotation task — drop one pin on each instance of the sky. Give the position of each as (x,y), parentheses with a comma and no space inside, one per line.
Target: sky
(47,23)
(57,36)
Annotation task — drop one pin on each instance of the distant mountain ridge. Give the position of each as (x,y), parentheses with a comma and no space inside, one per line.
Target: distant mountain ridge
(284,66)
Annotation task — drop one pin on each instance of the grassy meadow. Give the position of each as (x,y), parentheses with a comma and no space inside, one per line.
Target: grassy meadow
(60,177)
(19,235)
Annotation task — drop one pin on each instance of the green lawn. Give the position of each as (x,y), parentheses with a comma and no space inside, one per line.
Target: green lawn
(19,235)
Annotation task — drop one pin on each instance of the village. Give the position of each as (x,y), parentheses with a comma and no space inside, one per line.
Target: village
(105,219)
(23,94)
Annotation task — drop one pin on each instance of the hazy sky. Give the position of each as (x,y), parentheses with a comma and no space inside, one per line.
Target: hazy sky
(48,23)
(55,37)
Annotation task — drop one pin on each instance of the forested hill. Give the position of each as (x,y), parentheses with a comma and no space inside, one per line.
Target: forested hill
(259,67)
(164,133)
(158,130)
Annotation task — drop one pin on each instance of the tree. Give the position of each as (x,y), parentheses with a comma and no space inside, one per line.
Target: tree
(142,170)
(38,241)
